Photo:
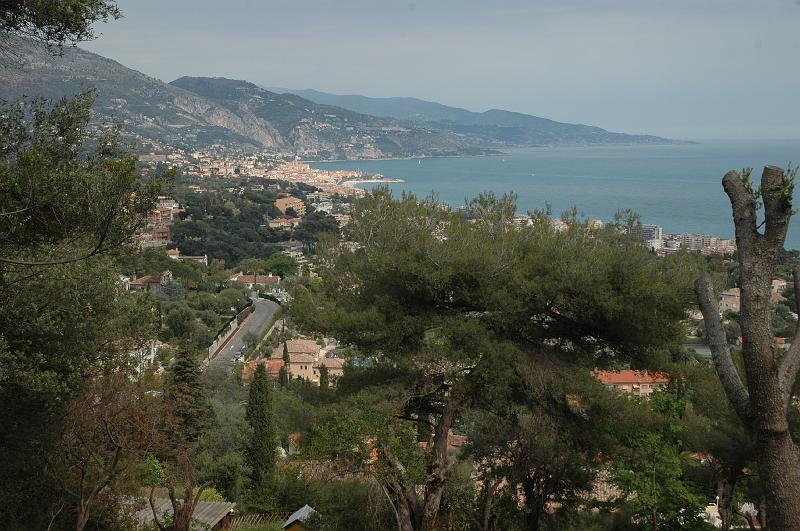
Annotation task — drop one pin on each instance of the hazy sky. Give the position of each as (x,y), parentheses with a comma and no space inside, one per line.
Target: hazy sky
(680,68)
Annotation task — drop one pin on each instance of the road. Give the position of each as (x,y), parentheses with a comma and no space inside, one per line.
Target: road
(256,323)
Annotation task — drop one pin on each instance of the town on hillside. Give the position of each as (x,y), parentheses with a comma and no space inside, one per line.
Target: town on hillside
(201,328)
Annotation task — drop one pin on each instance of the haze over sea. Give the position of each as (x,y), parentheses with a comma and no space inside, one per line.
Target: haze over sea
(675,186)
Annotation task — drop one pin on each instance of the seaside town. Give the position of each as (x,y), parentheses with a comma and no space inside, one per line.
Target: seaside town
(262,332)
(343,183)
(207,323)
(210,164)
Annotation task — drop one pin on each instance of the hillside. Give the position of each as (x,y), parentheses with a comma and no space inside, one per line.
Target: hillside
(150,109)
(234,114)
(324,131)
(494,127)
(197,113)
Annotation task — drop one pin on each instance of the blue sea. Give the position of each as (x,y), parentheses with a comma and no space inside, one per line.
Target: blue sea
(675,186)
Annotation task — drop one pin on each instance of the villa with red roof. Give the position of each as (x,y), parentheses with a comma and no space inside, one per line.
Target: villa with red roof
(637,383)
(273,367)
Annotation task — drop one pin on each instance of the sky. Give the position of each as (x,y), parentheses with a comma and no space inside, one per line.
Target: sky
(691,69)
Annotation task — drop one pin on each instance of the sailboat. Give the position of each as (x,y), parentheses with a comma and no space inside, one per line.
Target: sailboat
(419,161)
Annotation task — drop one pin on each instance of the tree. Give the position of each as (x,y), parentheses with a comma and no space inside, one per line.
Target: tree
(66,192)
(180,321)
(69,193)
(263,438)
(762,400)
(714,430)
(323,376)
(109,430)
(283,373)
(281,264)
(253,266)
(435,293)
(222,460)
(250,339)
(185,414)
(539,434)
(59,330)
(652,476)
(54,23)
(313,226)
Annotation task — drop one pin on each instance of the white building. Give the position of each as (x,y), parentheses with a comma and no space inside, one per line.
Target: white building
(652,236)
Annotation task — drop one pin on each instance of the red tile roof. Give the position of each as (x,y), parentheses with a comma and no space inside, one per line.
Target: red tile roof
(273,367)
(300,357)
(331,363)
(630,376)
(297,346)
(149,279)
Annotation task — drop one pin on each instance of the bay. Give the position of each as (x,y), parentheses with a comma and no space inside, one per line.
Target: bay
(675,186)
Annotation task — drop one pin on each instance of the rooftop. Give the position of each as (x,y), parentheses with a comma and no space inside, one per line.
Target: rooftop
(207,513)
(629,376)
(297,346)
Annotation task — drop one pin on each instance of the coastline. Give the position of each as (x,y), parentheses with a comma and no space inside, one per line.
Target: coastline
(404,158)
(510,150)
(673,186)
(353,183)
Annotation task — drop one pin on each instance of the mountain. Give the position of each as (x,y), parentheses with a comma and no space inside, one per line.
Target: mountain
(200,113)
(197,113)
(150,109)
(494,127)
(409,109)
(325,131)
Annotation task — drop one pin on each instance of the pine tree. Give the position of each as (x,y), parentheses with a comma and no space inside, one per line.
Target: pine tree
(285,353)
(186,416)
(261,448)
(187,401)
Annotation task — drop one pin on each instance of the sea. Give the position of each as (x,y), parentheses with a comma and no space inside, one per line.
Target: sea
(676,186)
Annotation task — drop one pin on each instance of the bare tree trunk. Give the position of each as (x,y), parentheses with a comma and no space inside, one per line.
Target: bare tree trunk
(763,404)
(725,491)
(488,518)
(440,463)
(408,505)
(417,510)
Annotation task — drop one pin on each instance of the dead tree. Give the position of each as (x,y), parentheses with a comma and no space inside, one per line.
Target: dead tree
(763,403)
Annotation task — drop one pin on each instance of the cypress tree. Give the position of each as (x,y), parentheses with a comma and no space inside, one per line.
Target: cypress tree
(187,400)
(283,374)
(261,448)
(323,376)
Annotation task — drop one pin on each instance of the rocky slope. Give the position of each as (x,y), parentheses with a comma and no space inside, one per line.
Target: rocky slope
(325,131)
(195,113)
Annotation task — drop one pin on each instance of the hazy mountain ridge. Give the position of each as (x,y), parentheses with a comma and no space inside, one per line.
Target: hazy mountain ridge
(149,108)
(324,131)
(199,112)
(228,112)
(494,127)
